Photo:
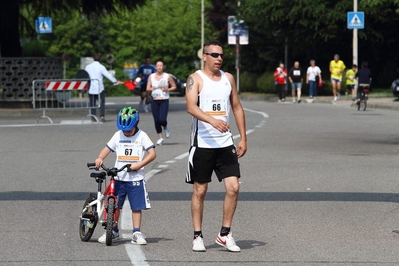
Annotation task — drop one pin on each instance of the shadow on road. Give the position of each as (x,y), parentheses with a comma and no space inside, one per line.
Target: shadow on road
(217,196)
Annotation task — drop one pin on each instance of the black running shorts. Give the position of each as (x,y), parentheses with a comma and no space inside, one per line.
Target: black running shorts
(203,161)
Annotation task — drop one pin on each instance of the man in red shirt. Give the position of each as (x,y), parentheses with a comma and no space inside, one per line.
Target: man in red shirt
(280,77)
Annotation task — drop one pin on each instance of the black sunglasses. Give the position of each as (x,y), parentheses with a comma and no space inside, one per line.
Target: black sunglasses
(215,55)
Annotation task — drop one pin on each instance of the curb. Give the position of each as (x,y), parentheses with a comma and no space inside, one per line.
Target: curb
(28,112)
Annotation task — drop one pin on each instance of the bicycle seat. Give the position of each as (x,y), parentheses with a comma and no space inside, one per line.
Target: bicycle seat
(101,175)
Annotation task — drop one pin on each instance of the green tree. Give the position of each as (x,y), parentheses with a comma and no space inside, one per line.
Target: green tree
(168,29)
(317,29)
(10,16)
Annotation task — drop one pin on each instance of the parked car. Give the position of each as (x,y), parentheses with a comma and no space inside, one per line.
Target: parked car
(180,86)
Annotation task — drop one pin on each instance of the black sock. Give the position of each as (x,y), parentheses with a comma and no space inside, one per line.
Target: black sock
(198,233)
(224,231)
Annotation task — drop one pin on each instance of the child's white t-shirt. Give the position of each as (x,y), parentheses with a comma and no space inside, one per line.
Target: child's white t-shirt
(130,150)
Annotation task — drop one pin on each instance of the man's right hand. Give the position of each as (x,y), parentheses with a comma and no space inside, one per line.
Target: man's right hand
(220,125)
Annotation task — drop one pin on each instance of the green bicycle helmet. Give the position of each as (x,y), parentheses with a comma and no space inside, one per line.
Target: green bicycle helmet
(127,118)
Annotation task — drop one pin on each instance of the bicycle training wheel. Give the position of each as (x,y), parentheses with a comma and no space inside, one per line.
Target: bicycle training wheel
(110,221)
(88,224)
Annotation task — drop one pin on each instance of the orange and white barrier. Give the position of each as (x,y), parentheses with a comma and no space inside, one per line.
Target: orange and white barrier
(67,85)
(57,95)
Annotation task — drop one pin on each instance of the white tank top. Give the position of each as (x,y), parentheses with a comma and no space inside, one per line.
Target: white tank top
(214,100)
(157,93)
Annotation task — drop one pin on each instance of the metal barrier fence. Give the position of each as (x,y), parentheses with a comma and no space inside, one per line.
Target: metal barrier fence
(63,94)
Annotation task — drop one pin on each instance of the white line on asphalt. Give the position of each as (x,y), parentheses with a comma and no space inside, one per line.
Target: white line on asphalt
(184,155)
(26,125)
(136,255)
(170,161)
(162,166)
(258,112)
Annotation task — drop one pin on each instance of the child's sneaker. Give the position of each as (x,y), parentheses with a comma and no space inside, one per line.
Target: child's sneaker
(138,238)
(227,242)
(198,244)
(103,238)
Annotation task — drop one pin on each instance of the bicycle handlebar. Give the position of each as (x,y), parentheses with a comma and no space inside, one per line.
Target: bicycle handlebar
(110,171)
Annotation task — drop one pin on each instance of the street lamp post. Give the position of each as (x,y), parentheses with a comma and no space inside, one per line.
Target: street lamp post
(202,30)
(355,42)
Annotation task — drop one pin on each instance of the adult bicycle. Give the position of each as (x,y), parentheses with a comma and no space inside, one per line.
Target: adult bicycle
(101,207)
(363,96)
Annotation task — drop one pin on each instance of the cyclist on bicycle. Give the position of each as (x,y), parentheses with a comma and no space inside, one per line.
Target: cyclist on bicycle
(130,144)
(363,77)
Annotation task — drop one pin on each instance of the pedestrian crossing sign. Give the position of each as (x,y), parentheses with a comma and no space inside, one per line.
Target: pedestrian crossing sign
(43,25)
(355,20)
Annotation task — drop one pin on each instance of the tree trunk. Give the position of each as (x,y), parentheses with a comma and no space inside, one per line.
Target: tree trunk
(10,45)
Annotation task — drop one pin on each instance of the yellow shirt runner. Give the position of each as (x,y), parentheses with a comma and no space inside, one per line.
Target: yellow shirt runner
(350,77)
(336,68)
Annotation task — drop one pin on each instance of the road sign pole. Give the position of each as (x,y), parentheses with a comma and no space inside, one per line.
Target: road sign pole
(355,41)
(238,61)
(202,31)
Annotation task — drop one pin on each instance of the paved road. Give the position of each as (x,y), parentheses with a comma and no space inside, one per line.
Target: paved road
(319,187)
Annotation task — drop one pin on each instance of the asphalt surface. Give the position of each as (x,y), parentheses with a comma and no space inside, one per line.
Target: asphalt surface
(319,187)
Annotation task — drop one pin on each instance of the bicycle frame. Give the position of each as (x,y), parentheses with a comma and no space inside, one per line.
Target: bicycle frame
(101,200)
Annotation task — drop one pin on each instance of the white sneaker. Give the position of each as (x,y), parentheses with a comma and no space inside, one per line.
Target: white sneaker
(198,244)
(167,132)
(102,238)
(335,98)
(293,100)
(160,141)
(338,95)
(138,238)
(227,242)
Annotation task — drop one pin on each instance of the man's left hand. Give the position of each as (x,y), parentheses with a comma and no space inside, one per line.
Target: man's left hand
(241,148)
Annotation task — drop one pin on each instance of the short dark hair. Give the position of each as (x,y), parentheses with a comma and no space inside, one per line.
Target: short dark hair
(365,64)
(160,60)
(211,42)
(97,57)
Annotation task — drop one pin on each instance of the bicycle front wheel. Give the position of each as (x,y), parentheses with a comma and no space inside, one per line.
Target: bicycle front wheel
(88,221)
(110,221)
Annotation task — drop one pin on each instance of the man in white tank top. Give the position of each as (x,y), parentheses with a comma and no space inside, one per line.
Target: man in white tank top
(210,95)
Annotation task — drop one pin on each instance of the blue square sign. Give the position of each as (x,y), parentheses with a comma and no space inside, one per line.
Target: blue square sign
(43,25)
(355,20)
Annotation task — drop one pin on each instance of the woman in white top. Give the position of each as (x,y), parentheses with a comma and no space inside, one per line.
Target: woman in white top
(160,84)
(311,74)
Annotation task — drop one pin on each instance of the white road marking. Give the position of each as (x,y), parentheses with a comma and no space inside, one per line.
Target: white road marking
(163,166)
(136,255)
(258,112)
(181,156)
(76,122)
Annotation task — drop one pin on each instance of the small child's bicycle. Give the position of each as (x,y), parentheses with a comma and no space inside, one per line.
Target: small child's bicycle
(101,205)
